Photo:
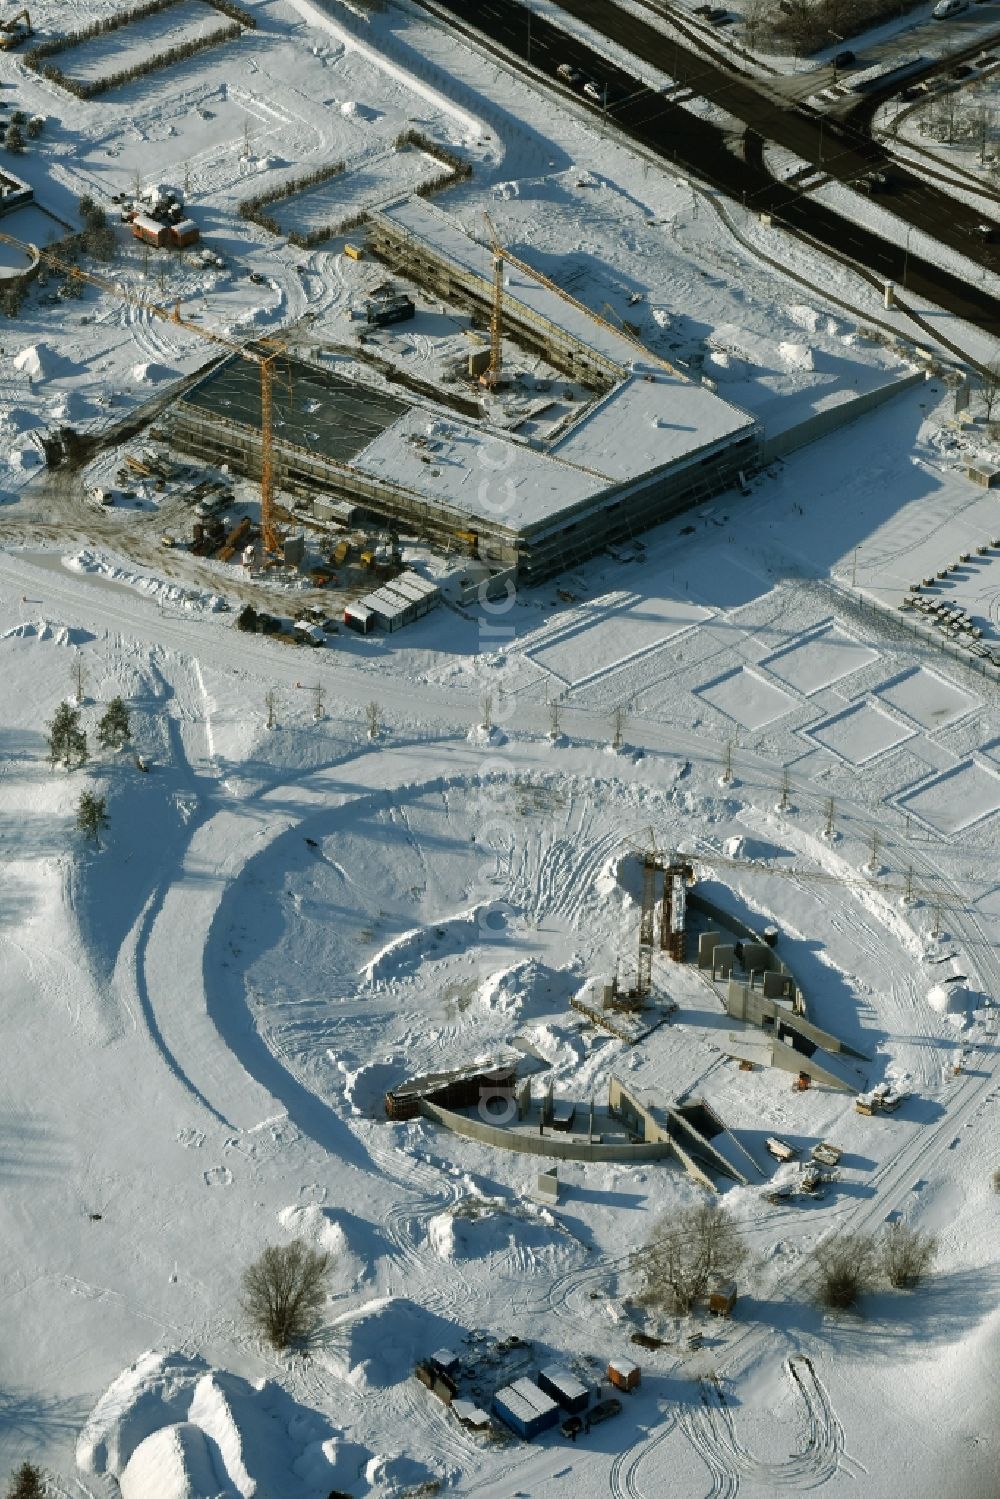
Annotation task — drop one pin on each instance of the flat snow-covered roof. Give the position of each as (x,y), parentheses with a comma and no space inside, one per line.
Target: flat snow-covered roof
(480,472)
(652,417)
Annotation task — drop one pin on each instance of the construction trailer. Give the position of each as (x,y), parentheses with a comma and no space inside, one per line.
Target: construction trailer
(397,603)
(150,231)
(722,1299)
(359,618)
(525,1408)
(562,1384)
(184,233)
(623,1374)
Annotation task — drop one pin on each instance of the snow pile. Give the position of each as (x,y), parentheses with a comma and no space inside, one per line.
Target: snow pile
(377,1344)
(87,561)
(174,1463)
(528,984)
(174,1428)
(36,361)
(404,954)
(351,1243)
(797,356)
(804,316)
(70,406)
(951,998)
(43,629)
(24,458)
(481,1227)
(148,374)
(397,1475)
(20,420)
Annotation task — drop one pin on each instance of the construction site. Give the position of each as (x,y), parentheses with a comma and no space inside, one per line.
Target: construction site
(642,444)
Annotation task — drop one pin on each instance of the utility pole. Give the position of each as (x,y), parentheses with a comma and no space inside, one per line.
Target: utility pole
(828,829)
(79,679)
(619,728)
(318,696)
(783,804)
(271,704)
(908,891)
(874,860)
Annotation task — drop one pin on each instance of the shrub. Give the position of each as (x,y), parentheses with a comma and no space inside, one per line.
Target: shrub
(907,1255)
(847,1265)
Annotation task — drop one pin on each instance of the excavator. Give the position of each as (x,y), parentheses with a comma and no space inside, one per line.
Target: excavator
(15,31)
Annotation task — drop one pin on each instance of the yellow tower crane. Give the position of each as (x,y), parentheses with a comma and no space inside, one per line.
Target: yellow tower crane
(264,361)
(496,317)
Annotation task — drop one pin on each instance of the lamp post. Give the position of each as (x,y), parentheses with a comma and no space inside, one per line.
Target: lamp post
(906,255)
(837,38)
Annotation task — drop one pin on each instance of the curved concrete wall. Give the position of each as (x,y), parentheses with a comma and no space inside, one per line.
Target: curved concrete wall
(559,1147)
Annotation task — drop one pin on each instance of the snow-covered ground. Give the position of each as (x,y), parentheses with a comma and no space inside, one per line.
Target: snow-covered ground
(201,1018)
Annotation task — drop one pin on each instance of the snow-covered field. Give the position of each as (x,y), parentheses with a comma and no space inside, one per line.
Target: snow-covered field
(202,1017)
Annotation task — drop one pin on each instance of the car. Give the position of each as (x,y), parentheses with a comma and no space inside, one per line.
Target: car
(947,8)
(604,1410)
(962,71)
(568,74)
(875,182)
(985,232)
(845,59)
(594,91)
(718,15)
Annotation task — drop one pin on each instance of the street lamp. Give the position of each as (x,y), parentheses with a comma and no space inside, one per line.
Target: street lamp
(837,38)
(906,254)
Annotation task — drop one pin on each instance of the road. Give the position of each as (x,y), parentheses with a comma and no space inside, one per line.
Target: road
(710,152)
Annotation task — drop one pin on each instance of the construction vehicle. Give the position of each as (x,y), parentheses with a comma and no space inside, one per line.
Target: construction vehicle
(780,1149)
(825,1154)
(13,33)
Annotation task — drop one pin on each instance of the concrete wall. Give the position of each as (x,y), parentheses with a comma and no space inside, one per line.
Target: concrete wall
(824,422)
(560,1147)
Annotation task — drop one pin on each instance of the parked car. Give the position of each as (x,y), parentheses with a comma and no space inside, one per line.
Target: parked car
(985,232)
(568,74)
(605,1409)
(962,71)
(594,91)
(845,59)
(718,15)
(947,8)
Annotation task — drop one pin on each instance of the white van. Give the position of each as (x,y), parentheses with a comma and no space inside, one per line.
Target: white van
(946,8)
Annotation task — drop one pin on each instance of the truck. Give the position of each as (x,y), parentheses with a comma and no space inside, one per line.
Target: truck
(780,1149)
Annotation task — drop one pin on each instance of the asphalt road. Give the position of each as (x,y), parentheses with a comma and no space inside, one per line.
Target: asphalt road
(735,167)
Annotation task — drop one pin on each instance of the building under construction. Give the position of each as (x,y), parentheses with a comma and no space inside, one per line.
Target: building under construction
(648,444)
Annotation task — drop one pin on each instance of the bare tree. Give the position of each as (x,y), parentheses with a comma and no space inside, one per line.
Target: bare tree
(756,14)
(687,1252)
(284,1291)
(318,700)
(990,386)
(79,679)
(373,718)
(271,704)
(618,722)
(486,705)
(907,1254)
(847,1265)
(555,722)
